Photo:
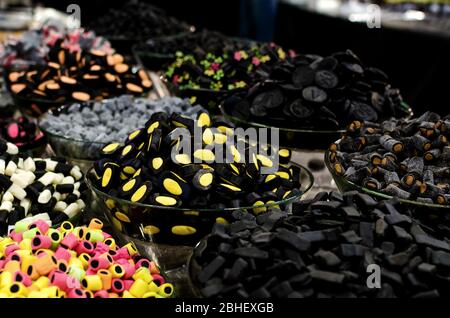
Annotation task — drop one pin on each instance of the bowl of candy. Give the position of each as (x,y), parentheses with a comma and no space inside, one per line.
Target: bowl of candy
(157,195)
(80,131)
(210,78)
(311,99)
(405,159)
(90,75)
(33,189)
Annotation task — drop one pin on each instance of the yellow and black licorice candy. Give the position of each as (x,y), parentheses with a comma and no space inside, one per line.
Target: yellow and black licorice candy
(203,180)
(128,151)
(129,187)
(203,119)
(165,200)
(181,121)
(110,176)
(130,166)
(284,155)
(156,164)
(137,136)
(141,193)
(174,184)
(154,141)
(111,149)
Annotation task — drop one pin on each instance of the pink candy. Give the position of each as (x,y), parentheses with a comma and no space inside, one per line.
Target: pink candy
(62,253)
(85,247)
(70,241)
(41,242)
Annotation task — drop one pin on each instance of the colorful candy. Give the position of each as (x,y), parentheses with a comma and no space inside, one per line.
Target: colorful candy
(75,268)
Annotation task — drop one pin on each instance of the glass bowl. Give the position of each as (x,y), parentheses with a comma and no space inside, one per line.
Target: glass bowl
(208,98)
(71,147)
(155,224)
(293,137)
(345,185)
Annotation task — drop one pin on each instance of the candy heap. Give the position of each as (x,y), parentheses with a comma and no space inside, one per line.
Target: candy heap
(327,249)
(137,21)
(149,168)
(35,188)
(75,262)
(225,71)
(78,76)
(35,46)
(321,93)
(199,44)
(22,132)
(113,119)
(409,159)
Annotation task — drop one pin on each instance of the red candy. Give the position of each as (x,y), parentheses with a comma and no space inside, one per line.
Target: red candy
(85,247)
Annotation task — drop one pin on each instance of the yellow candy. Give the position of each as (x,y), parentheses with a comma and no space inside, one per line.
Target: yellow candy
(110,242)
(95,224)
(153,287)
(18,289)
(84,258)
(166,290)
(6,279)
(4,243)
(131,248)
(127,294)
(144,274)
(138,288)
(42,282)
(27,260)
(92,282)
(51,291)
(117,271)
(25,244)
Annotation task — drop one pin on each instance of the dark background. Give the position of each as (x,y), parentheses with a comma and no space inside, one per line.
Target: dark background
(417,62)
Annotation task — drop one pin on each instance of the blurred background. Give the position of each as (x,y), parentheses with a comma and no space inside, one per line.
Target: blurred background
(410,40)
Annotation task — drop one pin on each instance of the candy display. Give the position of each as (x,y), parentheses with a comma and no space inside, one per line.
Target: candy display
(319,93)
(408,159)
(75,262)
(35,46)
(149,186)
(327,249)
(82,130)
(79,77)
(22,132)
(35,188)
(137,21)
(157,53)
(222,73)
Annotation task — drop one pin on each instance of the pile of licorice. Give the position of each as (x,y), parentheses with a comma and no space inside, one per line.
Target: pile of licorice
(319,93)
(37,261)
(334,246)
(150,168)
(35,188)
(22,132)
(137,21)
(409,159)
(78,76)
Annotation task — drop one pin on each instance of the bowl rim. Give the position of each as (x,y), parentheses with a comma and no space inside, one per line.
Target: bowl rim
(178,209)
(293,130)
(377,194)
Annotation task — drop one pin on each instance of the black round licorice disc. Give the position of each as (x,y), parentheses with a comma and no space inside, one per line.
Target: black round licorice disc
(360,111)
(258,111)
(326,79)
(303,76)
(269,99)
(300,110)
(314,94)
(353,68)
